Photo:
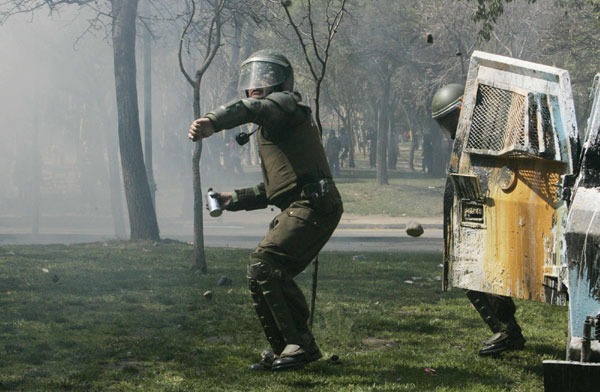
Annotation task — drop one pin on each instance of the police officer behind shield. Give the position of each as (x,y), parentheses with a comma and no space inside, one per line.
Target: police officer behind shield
(497,311)
(296,178)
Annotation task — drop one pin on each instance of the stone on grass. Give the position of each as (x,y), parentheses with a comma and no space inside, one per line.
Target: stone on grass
(208,295)
(224,281)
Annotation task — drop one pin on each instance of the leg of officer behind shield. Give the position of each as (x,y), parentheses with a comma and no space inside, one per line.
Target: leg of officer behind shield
(498,312)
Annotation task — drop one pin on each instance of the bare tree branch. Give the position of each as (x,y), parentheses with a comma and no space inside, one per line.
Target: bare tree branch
(183,34)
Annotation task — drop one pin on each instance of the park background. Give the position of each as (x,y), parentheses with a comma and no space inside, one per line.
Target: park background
(128,315)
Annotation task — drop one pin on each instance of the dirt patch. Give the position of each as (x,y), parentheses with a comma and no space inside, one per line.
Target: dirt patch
(379,344)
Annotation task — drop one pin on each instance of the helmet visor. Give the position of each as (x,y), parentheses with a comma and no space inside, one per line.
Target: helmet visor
(259,74)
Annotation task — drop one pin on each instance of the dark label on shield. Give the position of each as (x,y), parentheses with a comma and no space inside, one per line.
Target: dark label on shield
(472,212)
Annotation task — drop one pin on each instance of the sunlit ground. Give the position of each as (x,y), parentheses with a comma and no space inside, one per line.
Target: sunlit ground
(132,317)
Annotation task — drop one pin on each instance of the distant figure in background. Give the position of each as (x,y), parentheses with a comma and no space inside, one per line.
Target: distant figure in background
(345,143)
(427,162)
(372,138)
(332,148)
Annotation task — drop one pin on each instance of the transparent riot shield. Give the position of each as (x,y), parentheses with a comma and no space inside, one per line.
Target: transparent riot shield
(583,243)
(516,137)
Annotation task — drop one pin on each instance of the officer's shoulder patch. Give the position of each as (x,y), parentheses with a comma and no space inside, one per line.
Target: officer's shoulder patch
(285,100)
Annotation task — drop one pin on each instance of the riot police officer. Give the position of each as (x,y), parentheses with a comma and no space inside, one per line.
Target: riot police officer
(297,179)
(497,311)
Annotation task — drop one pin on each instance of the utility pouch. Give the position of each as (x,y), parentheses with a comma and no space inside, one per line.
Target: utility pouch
(319,195)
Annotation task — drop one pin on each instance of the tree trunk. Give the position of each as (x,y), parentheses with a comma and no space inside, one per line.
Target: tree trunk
(199,255)
(35,181)
(392,157)
(116,205)
(142,217)
(382,138)
(35,155)
(147,39)
(255,158)
(352,135)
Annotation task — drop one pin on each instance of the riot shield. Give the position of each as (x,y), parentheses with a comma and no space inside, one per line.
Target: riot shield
(582,239)
(516,137)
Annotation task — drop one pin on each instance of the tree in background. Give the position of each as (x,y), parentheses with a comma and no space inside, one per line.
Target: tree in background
(210,34)
(123,13)
(341,91)
(315,37)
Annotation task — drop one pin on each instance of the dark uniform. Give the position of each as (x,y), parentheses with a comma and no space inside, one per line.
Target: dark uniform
(333,148)
(497,311)
(296,178)
(345,146)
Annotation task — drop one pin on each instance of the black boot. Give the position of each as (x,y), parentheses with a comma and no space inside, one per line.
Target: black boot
(295,357)
(266,361)
(502,341)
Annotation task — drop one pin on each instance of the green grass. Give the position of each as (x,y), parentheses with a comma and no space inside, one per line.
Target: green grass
(419,197)
(409,193)
(131,317)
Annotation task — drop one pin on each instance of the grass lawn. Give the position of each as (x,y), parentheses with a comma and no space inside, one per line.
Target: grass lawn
(125,316)
(406,195)
(409,193)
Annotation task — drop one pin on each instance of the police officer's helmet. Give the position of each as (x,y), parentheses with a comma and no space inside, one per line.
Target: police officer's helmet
(266,68)
(445,108)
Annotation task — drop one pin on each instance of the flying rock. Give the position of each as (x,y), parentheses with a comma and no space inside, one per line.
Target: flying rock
(414,229)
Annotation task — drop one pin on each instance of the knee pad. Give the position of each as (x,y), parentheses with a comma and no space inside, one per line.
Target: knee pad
(254,286)
(262,270)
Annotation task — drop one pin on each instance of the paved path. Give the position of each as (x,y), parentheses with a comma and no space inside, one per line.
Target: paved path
(245,229)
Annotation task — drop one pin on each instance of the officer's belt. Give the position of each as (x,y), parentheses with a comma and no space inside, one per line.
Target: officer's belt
(316,189)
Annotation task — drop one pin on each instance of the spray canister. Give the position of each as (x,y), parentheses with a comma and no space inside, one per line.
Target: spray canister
(214,207)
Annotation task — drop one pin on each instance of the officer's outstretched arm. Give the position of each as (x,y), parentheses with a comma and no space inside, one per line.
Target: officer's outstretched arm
(248,199)
(272,111)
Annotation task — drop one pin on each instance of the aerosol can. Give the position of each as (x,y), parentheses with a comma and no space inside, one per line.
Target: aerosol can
(214,207)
